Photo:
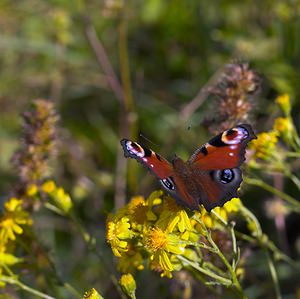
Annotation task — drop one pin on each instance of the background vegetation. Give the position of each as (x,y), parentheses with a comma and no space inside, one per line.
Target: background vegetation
(113,69)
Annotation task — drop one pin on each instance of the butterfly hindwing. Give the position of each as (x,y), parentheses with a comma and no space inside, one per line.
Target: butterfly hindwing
(217,165)
(218,186)
(208,187)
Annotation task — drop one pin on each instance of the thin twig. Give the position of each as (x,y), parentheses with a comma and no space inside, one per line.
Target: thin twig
(12,279)
(103,59)
(188,110)
(90,242)
(218,278)
(235,281)
(273,275)
(295,204)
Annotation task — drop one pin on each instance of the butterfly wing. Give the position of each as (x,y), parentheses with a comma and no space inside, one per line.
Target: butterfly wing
(153,161)
(170,180)
(216,187)
(226,150)
(215,166)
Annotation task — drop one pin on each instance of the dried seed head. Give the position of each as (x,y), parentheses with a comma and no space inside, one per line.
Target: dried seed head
(235,92)
(37,145)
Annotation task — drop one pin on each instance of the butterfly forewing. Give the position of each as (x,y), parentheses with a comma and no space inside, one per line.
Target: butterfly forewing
(158,165)
(226,150)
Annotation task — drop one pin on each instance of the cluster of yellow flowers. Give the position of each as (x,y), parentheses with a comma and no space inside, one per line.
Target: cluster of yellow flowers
(265,144)
(61,200)
(12,223)
(14,218)
(156,231)
(265,147)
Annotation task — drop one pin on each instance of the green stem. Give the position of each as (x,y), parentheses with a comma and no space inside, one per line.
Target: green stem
(202,278)
(211,266)
(274,276)
(219,217)
(85,235)
(72,290)
(295,137)
(234,245)
(12,280)
(218,278)
(248,214)
(236,251)
(54,209)
(292,154)
(129,105)
(267,245)
(91,244)
(200,245)
(294,179)
(124,62)
(227,264)
(259,183)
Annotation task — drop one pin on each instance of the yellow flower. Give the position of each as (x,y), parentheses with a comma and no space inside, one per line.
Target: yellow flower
(282,125)
(117,234)
(13,204)
(264,145)
(48,186)
(62,200)
(12,220)
(233,205)
(9,228)
(9,259)
(284,103)
(128,284)
(130,261)
(156,240)
(173,216)
(153,200)
(92,294)
(165,264)
(161,244)
(209,219)
(138,213)
(221,211)
(32,190)
(134,203)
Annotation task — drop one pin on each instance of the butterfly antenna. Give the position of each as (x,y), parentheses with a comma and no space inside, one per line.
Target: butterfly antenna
(148,140)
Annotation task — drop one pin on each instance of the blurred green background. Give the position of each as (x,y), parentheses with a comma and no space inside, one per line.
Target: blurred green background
(163,52)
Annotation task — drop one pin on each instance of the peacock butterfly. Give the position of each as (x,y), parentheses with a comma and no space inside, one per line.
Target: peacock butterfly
(210,177)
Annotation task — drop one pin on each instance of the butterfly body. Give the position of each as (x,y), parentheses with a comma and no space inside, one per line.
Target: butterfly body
(210,177)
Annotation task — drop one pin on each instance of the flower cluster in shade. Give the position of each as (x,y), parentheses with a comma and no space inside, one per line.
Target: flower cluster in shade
(13,221)
(154,232)
(31,160)
(266,147)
